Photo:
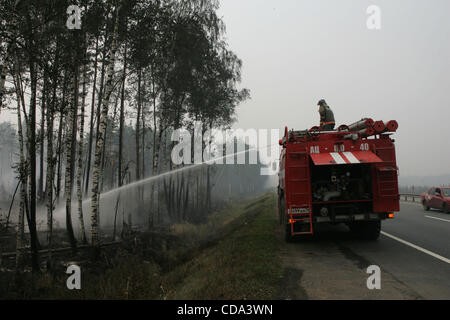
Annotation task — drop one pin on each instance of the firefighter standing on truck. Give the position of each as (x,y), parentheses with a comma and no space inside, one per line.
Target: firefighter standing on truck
(327,122)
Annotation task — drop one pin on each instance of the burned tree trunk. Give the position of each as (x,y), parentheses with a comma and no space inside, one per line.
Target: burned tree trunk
(138,130)
(60,137)
(42,138)
(50,167)
(122,118)
(31,147)
(70,136)
(100,139)
(80,158)
(23,182)
(31,142)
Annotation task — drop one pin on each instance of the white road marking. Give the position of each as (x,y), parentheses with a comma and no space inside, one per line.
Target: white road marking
(435,255)
(437,218)
(350,156)
(337,157)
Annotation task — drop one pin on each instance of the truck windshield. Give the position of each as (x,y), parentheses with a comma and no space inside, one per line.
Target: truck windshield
(446,192)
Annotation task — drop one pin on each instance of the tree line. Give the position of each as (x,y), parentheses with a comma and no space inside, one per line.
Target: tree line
(96,106)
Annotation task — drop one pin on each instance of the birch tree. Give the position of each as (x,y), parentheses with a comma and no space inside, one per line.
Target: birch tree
(69,162)
(71,129)
(50,165)
(23,182)
(96,174)
(80,155)
(31,139)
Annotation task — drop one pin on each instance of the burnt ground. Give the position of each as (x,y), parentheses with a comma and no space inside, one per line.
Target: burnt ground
(139,266)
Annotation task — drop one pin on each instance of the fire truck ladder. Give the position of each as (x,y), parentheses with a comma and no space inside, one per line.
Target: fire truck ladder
(302,217)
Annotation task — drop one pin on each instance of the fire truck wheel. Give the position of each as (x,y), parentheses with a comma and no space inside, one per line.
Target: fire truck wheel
(445,208)
(355,228)
(287,233)
(366,230)
(426,207)
(373,229)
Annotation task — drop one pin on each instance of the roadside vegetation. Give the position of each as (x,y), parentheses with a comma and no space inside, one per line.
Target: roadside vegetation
(232,256)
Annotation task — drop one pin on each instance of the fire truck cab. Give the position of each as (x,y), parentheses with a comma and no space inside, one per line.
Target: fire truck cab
(344,176)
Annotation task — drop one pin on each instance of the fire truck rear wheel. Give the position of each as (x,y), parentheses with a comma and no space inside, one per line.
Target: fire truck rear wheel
(366,230)
(445,208)
(287,233)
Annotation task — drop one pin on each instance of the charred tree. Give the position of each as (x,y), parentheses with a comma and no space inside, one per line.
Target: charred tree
(110,61)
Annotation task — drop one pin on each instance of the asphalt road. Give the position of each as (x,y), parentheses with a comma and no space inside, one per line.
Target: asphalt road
(413,254)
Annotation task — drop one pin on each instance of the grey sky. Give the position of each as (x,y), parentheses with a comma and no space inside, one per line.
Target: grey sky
(296,52)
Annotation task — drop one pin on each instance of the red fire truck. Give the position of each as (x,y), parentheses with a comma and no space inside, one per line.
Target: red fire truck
(344,176)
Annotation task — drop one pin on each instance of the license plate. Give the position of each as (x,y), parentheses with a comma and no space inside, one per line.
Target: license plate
(300,210)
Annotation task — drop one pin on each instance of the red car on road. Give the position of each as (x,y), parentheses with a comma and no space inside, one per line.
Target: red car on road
(437,198)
